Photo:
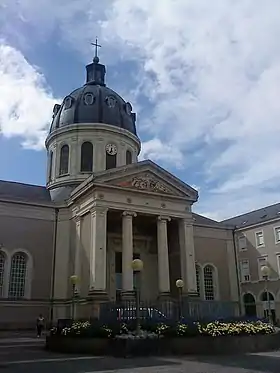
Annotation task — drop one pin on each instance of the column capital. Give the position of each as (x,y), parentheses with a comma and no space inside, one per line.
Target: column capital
(131,214)
(187,221)
(163,218)
(98,210)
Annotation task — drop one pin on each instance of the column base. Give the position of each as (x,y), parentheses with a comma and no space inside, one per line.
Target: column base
(99,295)
(164,296)
(128,295)
(191,295)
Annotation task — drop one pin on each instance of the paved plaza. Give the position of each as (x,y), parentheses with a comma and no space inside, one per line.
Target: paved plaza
(18,355)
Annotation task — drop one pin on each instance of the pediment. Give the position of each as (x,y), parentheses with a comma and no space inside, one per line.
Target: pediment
(146,176)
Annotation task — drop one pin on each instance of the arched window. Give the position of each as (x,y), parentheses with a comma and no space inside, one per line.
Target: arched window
(268,305)
(2,271)
(249,305)
(50,165)
(86,157)
(209,288)
(64,160)
(128,157)
(18,276)
(111,161)
(198,279)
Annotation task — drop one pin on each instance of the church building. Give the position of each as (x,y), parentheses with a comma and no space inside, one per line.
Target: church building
(100,209)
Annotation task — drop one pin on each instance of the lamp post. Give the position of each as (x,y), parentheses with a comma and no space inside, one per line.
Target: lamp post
(179,286)
(74,280)
(265,270)
(137,266)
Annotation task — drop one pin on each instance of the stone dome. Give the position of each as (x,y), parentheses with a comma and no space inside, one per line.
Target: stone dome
(94,103)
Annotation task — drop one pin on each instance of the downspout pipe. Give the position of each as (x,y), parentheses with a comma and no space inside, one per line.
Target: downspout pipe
(53,266)
(237,271)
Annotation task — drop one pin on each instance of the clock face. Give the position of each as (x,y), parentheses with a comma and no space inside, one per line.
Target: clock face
(111,149)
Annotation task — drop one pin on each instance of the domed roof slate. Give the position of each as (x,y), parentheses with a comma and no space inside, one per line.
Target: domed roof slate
(94,103)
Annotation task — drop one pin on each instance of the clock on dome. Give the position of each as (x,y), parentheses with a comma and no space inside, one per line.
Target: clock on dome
(111,149)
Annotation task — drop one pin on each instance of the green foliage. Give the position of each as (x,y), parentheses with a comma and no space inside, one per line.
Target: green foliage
(216,328)
(86,329)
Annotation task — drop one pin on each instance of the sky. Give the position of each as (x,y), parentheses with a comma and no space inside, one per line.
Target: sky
(203,77)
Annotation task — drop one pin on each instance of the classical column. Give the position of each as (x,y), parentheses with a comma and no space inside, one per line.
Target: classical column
(98,250)
(163,258)
(187,256)
(127,252)
(77,264)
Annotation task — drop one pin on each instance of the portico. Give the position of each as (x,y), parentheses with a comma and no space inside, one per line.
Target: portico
(136,211)
(114,235)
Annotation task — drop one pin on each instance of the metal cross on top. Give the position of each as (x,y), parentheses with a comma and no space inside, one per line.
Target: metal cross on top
(96,46)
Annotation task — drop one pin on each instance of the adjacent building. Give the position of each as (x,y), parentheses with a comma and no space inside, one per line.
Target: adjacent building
(257,239)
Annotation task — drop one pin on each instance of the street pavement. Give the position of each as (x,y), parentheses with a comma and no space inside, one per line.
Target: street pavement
(27,354)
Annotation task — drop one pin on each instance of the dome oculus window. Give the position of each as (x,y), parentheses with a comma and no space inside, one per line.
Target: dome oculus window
(68,103)
(89,99)
(56,109)
(128,108)
(111,101)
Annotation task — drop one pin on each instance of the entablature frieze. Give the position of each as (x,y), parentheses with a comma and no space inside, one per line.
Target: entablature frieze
(135,209)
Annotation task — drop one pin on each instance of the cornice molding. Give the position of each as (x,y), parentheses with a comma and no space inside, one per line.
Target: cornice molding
(92,127)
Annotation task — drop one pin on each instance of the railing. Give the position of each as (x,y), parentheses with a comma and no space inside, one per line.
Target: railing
(159,310)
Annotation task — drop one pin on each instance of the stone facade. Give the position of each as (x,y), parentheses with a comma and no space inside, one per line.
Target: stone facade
(102,208)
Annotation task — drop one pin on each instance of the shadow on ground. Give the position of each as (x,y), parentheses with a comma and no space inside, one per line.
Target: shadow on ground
(266,362)
(87,365)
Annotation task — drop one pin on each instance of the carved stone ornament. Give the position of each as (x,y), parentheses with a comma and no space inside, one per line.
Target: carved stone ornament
(146,183)
(149,184)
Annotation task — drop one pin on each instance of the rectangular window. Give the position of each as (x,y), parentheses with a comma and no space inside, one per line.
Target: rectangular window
(277,234)
(259,239)
(242,242)
(261,262)
(245,270)
(278,263)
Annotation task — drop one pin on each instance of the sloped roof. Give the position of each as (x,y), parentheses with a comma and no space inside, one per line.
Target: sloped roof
(255,217)
(202,220)
(19,192)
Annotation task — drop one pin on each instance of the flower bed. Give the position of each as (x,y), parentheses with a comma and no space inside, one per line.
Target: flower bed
(178,338)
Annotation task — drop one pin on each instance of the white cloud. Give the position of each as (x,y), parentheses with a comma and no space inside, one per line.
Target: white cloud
(211,73)
(157,150)
(212,70)
(26,104)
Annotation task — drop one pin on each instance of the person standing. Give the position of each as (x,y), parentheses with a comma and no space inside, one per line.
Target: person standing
(40,325)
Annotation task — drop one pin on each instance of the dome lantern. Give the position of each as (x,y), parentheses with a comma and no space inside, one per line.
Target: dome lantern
(95,71)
